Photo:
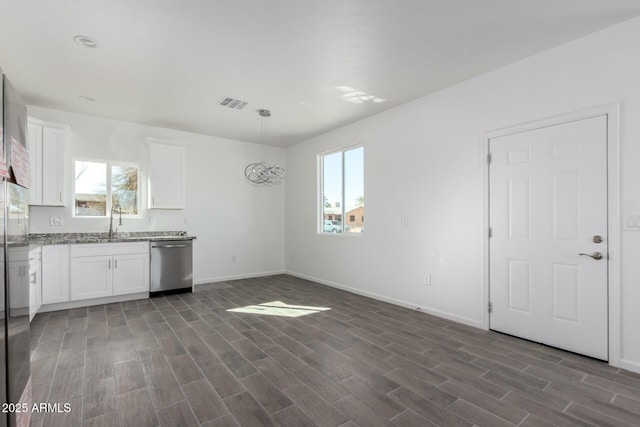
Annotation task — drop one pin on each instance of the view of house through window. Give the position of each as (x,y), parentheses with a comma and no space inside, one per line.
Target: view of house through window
(342,180)
(99,186)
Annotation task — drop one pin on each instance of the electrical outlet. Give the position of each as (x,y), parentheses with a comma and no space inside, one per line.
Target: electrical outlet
(55,221)
(427,279)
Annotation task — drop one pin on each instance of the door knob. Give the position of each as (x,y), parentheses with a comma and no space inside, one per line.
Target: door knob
(595,255)
(597,239)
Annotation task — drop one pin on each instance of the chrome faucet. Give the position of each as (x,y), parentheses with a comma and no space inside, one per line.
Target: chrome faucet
(117,208)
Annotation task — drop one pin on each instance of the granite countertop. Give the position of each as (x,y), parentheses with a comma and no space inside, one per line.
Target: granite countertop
(134,236)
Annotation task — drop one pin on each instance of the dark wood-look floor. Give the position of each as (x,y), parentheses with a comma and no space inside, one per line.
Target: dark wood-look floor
(187,361)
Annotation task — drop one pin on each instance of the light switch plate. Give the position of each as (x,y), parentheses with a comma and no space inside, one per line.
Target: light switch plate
(632,222)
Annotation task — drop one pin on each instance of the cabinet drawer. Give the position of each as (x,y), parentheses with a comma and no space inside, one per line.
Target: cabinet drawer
(99,249)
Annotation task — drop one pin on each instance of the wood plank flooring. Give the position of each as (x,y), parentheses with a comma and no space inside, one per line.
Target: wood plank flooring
(187,361)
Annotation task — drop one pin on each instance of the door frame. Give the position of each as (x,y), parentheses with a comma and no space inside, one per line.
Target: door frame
(612,111)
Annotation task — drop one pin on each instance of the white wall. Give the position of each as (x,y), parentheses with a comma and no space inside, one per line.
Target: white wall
(424,159)
(228,215)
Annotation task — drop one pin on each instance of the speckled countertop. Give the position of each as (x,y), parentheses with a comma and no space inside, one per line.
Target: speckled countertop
(134,236)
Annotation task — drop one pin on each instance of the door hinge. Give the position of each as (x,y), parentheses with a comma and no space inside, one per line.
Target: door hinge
(490,232)
(489,158)
(489,307)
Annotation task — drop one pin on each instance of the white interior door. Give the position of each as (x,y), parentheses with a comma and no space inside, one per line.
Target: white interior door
(548,205)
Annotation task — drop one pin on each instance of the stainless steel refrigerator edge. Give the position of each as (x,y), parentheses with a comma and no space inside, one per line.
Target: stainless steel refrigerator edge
(15,258)
(3,358)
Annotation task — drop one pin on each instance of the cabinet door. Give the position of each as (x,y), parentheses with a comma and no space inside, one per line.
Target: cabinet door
(91,277)
(35,166)
(55,274)
(53,166)
(35,281)
(130,274)
(35,290)
(167,176)
(18,290)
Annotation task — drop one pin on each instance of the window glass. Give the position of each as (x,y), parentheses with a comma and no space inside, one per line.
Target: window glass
(332,192)
(124,188)
(99,186)
(90,189)
(354,189)
(342,178)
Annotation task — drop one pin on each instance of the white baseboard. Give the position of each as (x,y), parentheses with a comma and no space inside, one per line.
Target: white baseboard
(401,303)
(630,365)
(238,277)
(89,302)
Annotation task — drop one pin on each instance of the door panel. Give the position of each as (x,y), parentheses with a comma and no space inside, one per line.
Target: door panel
(91,277)
(131,274)
(519,205)
(548,199)
(566,292)
(566,207)
(520,285)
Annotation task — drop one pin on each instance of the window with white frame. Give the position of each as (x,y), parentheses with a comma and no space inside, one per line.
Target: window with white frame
(100,186)
(342,191)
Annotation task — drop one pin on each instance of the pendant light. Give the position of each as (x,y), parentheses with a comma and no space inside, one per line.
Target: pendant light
(263,172)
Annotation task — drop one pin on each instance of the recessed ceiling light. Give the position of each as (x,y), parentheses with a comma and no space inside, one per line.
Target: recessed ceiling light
(87,98)
(85,41)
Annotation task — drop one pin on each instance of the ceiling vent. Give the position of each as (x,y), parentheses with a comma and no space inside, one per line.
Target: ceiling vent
(232,103)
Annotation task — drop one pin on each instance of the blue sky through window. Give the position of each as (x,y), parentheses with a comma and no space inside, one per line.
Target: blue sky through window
(353,176)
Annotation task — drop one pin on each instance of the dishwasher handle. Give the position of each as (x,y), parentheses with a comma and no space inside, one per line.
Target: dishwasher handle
(171,246)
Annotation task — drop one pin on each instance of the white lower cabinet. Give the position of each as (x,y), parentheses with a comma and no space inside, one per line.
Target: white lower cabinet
(91,277)
(55,274)
(35,281)
(131,274)
(18,289)
(108,269)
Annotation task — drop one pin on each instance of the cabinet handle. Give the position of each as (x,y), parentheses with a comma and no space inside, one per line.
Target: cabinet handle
(109,265)
(60,197)
(116,263)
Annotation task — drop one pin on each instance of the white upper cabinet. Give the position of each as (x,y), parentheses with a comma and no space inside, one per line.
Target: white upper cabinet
(46,155)
(167,174)
(35,163)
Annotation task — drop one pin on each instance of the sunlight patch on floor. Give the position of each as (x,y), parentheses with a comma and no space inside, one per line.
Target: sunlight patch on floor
(279,308)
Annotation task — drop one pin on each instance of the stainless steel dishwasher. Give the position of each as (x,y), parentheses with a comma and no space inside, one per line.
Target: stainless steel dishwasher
(171,267)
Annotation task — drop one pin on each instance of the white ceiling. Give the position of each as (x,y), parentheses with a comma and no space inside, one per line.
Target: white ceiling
(168,62)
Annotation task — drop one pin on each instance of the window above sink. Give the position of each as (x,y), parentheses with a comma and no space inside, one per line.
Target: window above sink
(99,185)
